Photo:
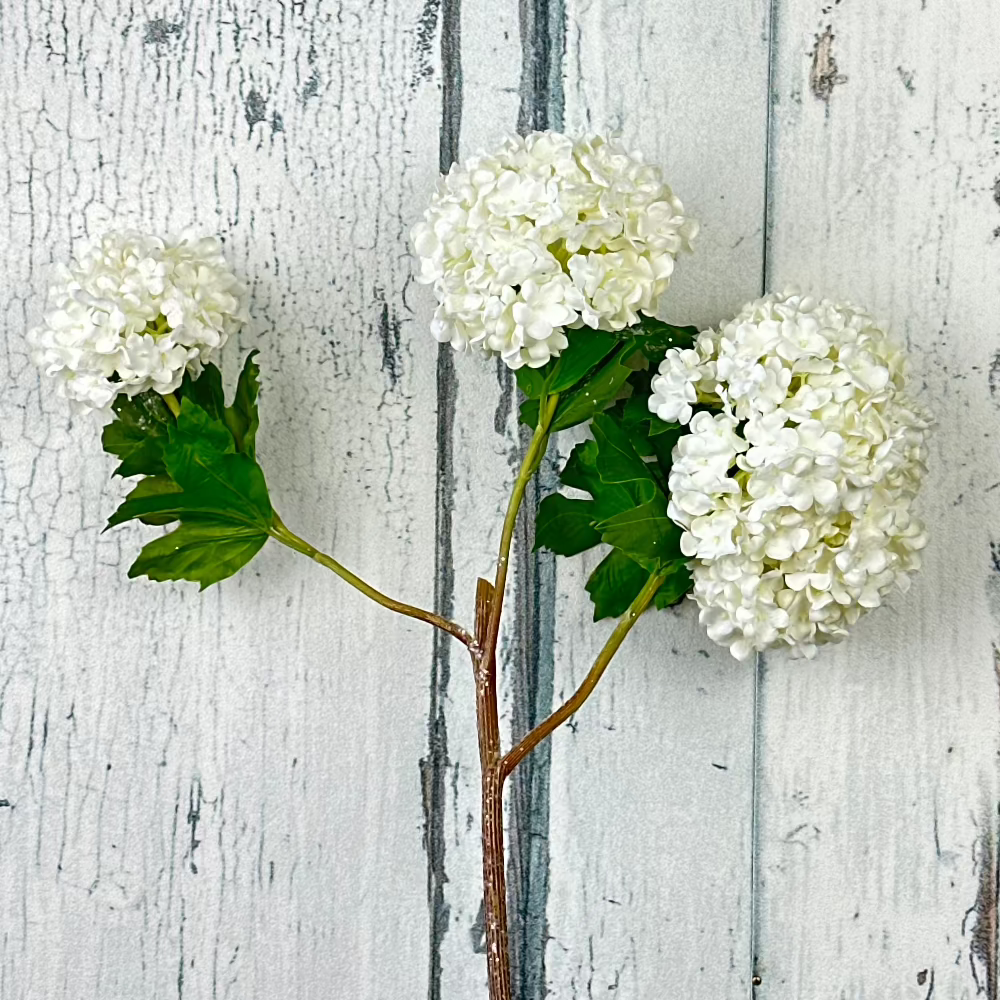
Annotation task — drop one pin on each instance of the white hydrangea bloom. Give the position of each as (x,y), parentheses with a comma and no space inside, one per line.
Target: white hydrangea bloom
(544,235)
(133,312)
(795,484)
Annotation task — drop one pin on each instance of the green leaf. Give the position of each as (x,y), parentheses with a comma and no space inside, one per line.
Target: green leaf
(242,418)
(662,439)
(615,584)
(675,586)
(219,496)
(154,486)
(587,349)
(566,526)
(528,411)
(635,410)
(194,444)
(655,335)
(581,473)
(205,390)
(531,381)
(644,533)
(618,461)
(203,552)
(597,392)
(138,434)
(580,470)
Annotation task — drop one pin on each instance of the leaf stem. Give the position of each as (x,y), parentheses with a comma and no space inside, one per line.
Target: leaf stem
(584,691)
(172,404)
(281,533)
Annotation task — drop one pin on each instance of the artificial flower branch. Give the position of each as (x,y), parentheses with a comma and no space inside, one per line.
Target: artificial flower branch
(767,467)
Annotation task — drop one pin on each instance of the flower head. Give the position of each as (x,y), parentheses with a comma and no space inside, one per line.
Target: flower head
(547,233)
(133,312)
(795,484)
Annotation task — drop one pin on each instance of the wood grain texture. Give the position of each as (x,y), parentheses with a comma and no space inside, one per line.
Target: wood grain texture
(878,805)
(652,783)
(218,795)
(272,790)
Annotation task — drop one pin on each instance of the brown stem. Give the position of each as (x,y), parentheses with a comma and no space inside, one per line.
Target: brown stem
(494,875)
(584,691)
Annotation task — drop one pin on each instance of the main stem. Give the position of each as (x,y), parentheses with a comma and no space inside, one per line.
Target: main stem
(494,873)
(489,606)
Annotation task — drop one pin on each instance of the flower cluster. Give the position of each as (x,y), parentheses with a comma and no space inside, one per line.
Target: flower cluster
(795,484)
(134,312)
(545,234)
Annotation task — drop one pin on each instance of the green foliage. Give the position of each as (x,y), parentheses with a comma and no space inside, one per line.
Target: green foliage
(624,469)
(241,418)
(137,434)
(200,470)
(615,584)
(591,372)
(566,526)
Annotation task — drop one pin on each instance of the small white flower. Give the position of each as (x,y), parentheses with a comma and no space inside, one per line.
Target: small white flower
(543,235)
(675,388)
(133,312)
(795,494)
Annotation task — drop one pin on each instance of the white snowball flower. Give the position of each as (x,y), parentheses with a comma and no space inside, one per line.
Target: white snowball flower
(133,312)
(547,234)
(795,484)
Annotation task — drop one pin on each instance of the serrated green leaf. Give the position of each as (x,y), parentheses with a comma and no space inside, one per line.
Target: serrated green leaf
(645,533)
(205,390)
(138,433)
(242,418)
(580,470)
(675,586)
(154,486)
(197,429)
(233,491)
(597,392)
(581,473)
(619,462)
(565,526)
(615,584)
(203,552)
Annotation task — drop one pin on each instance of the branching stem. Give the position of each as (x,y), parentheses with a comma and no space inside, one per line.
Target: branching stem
(586,688)
(286,537)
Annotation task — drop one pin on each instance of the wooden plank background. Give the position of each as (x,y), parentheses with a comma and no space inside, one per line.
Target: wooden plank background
(270,790)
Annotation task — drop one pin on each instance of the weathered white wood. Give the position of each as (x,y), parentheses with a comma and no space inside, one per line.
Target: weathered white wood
(218,795)
(484,444)
(652,784)
(878,808)
(231,794)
